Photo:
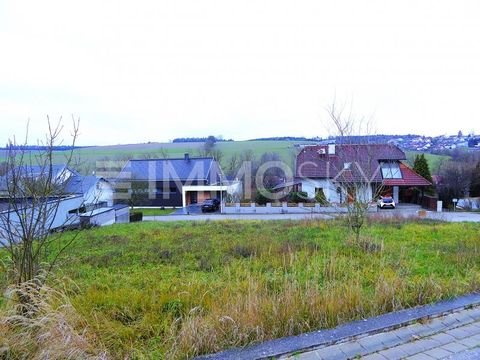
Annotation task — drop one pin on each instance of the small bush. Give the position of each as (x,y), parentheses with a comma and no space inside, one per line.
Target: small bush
(298,197)
(263,196)
(136,216)
(321,198)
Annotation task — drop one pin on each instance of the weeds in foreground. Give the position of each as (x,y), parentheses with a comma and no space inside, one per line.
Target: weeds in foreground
(180,290)
(44,325)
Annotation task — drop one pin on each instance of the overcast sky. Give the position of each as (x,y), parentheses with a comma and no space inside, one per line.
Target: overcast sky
(138,71)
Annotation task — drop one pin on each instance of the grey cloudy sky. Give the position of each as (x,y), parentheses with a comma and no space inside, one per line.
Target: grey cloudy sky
(137,71)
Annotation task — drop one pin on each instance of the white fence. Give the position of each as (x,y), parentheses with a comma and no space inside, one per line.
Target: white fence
(285,208)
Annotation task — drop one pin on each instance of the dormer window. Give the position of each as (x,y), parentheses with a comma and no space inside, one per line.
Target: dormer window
(391,170)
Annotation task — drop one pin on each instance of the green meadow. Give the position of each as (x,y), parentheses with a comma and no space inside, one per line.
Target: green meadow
(86,159)
(177,290)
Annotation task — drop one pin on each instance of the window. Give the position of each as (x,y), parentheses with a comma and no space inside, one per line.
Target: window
(347,165)
(391,170)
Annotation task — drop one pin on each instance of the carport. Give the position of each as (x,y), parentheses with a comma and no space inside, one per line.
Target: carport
(198,193)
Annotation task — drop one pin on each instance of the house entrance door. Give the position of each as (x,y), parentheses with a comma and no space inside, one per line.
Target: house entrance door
(193,197)
(351,194)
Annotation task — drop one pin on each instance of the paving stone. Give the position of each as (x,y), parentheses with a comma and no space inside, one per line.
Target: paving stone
(420,357)
(476,337)
(438,353)
(474,313)
(391,339)
(428,343)
(372,343)
(394,353)
(312,355)
(449,320)
(471,329)
(464,317)
(375,356)
(405,333)
(470,342)
(443,338)
(454,347)
(436,325)
(330,352)
(353,349)
(411,348)
(458,333)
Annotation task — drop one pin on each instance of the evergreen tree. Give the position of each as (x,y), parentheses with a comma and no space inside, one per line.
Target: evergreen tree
(475,184)
(420,166)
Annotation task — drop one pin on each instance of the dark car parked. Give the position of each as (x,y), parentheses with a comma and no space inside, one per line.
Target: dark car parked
(210,205)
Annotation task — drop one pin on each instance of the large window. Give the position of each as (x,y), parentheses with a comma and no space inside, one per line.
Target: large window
(391,170)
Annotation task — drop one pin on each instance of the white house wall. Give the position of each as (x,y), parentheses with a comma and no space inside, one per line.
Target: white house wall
(102,192)
(58,218)
(103,218)
(364,192)
(329,189)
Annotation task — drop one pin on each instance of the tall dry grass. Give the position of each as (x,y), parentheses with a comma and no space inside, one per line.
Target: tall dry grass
(265,311)
(39,322)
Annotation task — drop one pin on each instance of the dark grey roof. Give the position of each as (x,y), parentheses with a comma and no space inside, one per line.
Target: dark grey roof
(37,170)
(168,169)
(119,206)
(78,184)
(287,184)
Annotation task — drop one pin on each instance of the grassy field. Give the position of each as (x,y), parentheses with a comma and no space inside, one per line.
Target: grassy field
(154,211)
(434,161)
(176,290)
(86,158)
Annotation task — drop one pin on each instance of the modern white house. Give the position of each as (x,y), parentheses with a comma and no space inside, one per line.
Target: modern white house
(175,182)
(75,196)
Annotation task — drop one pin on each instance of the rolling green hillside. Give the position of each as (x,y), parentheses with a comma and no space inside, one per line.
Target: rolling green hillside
(86,158)
(434,161)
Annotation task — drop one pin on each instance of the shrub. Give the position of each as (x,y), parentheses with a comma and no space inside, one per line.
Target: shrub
(321,198)
(263,196)
(136,216)
(298,197)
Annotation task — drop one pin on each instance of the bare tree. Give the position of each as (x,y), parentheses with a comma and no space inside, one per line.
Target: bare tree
(357,172)
(164,154)
(31,202)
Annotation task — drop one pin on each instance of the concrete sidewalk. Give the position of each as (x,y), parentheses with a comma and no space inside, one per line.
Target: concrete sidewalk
(454,336)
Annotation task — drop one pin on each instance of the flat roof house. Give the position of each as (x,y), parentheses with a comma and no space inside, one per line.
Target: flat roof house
(368,167)
(171,182)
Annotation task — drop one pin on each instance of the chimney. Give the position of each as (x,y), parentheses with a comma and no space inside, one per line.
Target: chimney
(331,149)
(187,157)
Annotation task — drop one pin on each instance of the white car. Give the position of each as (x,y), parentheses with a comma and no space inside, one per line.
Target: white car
(386,202)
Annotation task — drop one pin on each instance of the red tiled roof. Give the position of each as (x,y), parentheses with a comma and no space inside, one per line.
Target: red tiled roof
(316,162)
(409,178)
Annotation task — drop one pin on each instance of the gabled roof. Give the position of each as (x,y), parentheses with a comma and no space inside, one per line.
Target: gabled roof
(36,170)
(168,169)
(33,171)
(349,162)
(79,184)
(409,178)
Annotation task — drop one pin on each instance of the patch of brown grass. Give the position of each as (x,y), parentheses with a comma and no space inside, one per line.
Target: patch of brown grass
(41,323)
